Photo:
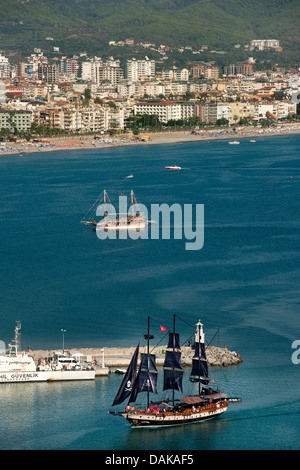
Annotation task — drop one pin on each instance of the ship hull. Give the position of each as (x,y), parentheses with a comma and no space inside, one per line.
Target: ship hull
(139,420)
(45,376)
(118,227)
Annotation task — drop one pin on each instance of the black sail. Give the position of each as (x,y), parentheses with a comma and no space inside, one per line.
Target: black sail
(173,371)
(125,388)
(174,342)
(199,371)
(173,379)
(146,380)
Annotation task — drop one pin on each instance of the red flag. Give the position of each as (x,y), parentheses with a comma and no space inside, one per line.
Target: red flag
(163,328)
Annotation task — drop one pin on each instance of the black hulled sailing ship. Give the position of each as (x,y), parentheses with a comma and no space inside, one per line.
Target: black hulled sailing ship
(204,405)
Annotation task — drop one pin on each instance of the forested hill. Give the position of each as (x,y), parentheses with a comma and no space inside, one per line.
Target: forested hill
(89,24)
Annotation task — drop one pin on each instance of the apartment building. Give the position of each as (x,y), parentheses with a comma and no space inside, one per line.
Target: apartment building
(97,71)
(68,67)
(23,69)
(48,73)
(206,71)
(176,88)
(106,72)
(244,68)
(136,69)
(285,108)
(153,89)
(21,120)
(176,74)
(230,69)
(211,72)
(34,60)
(5,68)
(197,71)
(265,44)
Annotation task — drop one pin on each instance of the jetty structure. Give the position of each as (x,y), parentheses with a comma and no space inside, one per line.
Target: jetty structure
(106,359)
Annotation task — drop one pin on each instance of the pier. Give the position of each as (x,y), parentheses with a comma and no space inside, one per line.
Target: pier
(106,360)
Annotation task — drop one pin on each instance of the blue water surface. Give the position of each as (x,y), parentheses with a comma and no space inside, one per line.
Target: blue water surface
(56,274)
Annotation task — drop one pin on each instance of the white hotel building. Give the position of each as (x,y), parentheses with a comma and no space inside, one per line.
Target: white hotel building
(164,110)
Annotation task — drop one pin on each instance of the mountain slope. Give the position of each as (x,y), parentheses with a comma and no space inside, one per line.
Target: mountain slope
(90,24)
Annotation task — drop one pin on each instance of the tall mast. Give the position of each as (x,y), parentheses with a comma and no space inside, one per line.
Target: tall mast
(173,352)
(148,338)
(131,209)
(173,371)
(105,197)
(199,339)
(199,371)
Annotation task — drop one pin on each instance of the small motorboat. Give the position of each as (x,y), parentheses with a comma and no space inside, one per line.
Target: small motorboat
(235,142)
(129,176)
(120,371)
(173,167)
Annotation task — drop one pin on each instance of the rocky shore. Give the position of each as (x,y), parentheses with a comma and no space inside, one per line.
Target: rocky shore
(119,358)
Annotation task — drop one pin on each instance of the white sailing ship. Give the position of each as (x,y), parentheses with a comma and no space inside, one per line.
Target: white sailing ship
(134,219)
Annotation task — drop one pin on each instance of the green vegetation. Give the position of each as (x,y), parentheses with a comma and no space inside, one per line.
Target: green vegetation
(77,25)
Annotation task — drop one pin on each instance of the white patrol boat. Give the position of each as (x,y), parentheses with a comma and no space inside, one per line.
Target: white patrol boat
(18,366)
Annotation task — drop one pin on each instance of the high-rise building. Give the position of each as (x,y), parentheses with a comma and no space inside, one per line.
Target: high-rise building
(244,68)
(136,69)
(68,66)
(230,69)
(5,67)
(48,73)
(105,72)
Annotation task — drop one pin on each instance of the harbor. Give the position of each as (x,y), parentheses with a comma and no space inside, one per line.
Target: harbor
(107,360)
(243,282)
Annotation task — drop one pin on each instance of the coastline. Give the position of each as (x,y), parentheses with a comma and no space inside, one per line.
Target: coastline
(48,144)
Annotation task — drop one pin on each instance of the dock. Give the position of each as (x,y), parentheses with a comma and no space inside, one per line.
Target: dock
(107,360)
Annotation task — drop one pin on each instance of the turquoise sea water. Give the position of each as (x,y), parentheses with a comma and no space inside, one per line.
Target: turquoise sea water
(57,274)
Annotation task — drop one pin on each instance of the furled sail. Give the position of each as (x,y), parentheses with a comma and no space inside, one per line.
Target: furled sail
(125,388)
(199,371)
(173,371)
(174,342)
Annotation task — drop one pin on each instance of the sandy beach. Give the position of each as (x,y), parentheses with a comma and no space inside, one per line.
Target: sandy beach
(43,144)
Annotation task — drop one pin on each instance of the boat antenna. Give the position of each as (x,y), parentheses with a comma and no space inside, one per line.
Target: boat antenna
(15,341)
